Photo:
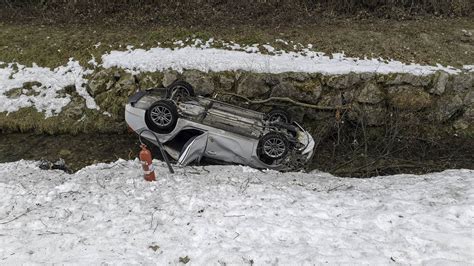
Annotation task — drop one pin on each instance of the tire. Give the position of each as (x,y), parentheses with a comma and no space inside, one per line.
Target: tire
(180,89)
(278,115)
(272,146)
(162,116)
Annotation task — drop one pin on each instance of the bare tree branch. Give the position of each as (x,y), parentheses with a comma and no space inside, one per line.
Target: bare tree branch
(286,99)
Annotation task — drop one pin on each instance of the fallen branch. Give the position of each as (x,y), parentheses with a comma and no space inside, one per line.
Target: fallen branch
(286,99)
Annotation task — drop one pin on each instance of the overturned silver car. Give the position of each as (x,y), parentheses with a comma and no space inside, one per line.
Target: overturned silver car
(191,127)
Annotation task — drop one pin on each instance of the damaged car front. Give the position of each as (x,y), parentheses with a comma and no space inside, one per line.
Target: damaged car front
(191,127)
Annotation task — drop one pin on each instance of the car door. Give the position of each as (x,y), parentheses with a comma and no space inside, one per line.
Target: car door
(193,149)
(229,147)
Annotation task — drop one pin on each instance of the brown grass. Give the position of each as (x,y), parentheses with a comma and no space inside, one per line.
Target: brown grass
(427,41)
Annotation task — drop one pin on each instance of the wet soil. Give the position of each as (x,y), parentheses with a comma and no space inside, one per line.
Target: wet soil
(77,150)
(414,156)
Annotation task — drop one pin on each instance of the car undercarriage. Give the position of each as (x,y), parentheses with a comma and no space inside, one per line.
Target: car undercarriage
(191,127)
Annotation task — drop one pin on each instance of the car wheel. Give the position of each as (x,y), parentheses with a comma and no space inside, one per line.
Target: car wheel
(272,146)
(278,115)
(162,116)
(180,89)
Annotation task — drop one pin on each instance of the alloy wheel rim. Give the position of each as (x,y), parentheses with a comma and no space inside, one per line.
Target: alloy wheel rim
(161,116)
(274,147)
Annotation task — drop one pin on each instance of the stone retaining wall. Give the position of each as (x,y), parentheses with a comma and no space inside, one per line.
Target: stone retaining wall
(442,102)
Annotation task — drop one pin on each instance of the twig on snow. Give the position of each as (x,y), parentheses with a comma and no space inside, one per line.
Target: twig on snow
(17,217)
(68,214)
(152,218)
(134,182)
(45,225)
(21,184)
(151,222)
(234,215)
(336,187)
(244,185)
(55,233)
(204,169)
(101,185)
(194,173)
(154,230)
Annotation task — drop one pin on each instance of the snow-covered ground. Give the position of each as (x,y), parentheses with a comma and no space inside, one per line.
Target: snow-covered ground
(44,96)
(218,55)
(231,215)
(213,59)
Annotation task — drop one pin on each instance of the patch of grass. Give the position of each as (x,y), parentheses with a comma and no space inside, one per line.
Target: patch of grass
(30,120)
(78,151)
(428,41)
(27,89)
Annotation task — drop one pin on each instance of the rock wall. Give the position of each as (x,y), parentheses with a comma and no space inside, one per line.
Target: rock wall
(441,103)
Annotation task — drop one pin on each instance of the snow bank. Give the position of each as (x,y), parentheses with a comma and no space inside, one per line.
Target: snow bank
(250,59)
(44,97)
(232,215)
